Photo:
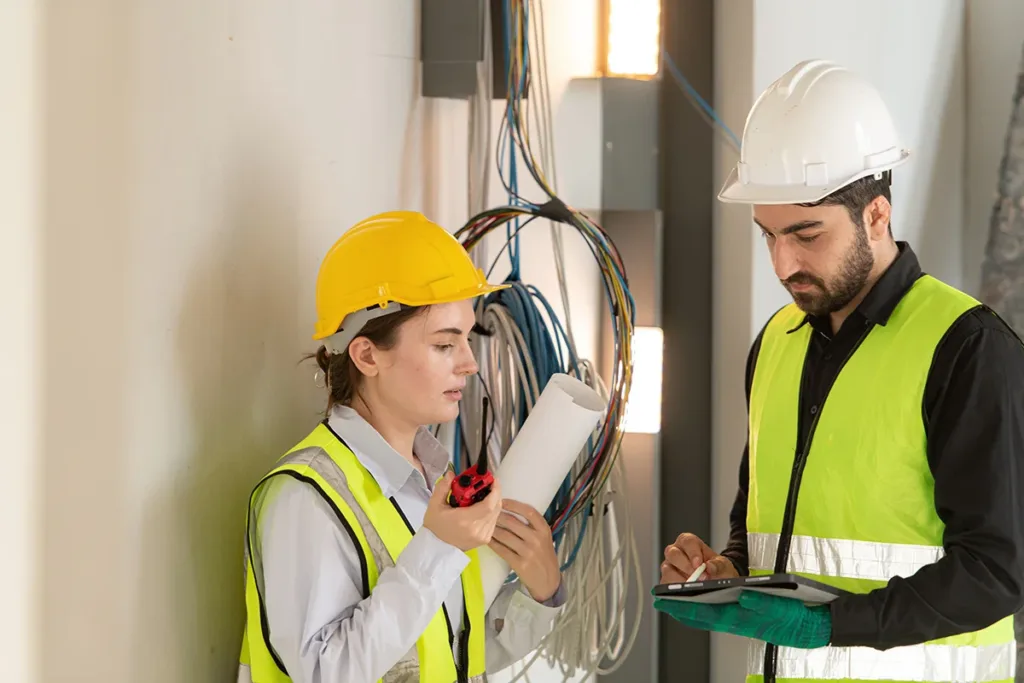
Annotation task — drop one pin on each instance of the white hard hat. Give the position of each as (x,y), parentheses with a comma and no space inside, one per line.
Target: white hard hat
(816,129)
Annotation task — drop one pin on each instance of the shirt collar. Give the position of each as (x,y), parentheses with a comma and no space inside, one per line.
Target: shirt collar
(389,469)
(881,301)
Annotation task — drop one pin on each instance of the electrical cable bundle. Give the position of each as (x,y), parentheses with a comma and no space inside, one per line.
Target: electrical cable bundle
(589,514)
(519,314)
(521,343)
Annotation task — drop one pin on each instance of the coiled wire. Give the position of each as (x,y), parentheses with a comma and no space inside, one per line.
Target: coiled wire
(521,342)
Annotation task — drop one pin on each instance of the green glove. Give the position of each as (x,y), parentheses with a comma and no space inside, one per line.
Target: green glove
(776,620)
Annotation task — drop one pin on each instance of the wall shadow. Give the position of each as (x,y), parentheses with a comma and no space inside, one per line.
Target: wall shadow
(939,243)
(238,345)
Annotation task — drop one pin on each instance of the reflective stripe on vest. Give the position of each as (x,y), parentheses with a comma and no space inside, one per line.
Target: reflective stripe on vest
(842,557)
(379,532)
(866,508)
(938,663)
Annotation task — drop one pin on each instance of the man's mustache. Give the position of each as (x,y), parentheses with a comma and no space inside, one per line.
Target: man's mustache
(803,279)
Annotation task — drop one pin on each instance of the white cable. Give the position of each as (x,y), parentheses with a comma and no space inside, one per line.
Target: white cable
(547,155)
(479,145)
(479,182)
(590,635)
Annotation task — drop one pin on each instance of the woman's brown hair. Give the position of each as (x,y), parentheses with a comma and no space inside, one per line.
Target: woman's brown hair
(341,375)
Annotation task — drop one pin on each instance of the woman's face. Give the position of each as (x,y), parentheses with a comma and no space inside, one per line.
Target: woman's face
(422,376)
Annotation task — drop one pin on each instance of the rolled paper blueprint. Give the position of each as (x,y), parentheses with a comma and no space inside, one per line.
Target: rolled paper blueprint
(540,457)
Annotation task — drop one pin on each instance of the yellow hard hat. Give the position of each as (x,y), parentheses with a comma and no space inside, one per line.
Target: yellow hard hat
(395,257)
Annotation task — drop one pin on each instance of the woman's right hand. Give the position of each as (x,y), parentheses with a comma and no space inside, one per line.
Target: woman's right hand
(465,528)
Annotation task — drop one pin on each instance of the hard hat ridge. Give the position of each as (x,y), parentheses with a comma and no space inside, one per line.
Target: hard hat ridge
(816,129)
(397,257)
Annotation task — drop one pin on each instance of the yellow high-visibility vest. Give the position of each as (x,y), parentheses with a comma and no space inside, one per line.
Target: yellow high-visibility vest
(866,510)
(379,533)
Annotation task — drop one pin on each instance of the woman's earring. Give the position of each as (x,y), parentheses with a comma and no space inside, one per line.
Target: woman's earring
(320,379)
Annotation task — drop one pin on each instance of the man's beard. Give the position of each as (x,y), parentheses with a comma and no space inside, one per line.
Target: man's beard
(853,275)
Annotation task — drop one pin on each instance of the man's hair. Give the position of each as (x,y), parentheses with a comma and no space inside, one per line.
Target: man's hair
(857,195)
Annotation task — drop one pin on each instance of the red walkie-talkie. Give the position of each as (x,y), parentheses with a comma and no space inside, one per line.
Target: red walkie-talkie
(475,482)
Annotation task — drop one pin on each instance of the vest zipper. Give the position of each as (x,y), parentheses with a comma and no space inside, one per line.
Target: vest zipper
(460,671)
(462,663)
(789,515)
(462,666)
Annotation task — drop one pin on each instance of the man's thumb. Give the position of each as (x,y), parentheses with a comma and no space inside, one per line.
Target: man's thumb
(719,567)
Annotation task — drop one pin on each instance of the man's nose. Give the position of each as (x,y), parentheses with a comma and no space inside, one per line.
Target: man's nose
(785,260)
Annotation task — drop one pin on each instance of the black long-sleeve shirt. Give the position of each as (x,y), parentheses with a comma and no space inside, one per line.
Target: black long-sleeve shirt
(973,410)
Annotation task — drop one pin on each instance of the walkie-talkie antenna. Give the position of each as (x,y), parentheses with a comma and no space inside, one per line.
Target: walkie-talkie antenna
(481,461)
(474,484)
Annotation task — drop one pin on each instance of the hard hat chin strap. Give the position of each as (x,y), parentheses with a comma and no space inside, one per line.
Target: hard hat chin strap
(353,323)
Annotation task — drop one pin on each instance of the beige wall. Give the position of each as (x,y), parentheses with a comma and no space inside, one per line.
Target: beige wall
(20,336)
(170,175)
(995,41)
(198,157)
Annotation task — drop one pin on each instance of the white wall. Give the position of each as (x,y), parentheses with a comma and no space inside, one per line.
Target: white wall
(20,414)
(200,156)
(995,40)
(913,50)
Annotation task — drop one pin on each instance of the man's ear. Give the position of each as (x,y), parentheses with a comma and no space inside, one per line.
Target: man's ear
(877,216)
(363,354)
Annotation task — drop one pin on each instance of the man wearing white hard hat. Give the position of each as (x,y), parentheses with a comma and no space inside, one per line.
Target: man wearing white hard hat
(885,451)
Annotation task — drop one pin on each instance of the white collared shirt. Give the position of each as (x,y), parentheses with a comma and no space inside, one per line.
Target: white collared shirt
(320,625)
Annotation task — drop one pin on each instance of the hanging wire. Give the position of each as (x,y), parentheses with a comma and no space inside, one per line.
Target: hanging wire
(525,341)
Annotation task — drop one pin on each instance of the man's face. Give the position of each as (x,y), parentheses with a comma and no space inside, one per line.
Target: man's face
(819,254)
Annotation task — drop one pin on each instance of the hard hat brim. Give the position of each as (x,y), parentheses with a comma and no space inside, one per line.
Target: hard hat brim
(472,293)
(735,192)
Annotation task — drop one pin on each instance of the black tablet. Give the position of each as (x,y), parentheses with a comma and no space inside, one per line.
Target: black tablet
(721,591)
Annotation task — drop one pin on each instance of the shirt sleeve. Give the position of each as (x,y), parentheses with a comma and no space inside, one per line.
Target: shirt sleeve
(517,624)
(736,548)
(974,414)
(321,626)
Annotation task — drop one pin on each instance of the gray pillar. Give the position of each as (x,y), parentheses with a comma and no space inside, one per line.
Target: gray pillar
(687,199)
(1002,277)
(656,197)
(630,217)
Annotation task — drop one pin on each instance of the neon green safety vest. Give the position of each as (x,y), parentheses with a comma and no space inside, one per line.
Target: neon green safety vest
(380,533)
(866,509)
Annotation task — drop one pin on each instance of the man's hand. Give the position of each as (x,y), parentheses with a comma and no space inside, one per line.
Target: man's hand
(689,552)
(528,549)
(773,619)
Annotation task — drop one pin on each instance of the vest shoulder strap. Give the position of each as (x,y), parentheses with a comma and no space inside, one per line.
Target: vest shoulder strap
(380,532)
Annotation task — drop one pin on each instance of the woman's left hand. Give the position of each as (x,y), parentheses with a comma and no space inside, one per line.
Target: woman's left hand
(528,549)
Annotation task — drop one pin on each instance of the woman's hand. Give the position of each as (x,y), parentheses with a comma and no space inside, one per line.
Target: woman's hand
(465,528)
(528,549)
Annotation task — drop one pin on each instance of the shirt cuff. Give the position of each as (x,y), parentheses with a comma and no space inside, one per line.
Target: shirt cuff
(559,598)
(738,564)
(522,600)
(431,560)
(854,622)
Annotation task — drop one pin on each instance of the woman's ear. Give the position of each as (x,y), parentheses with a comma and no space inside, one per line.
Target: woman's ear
(363,354)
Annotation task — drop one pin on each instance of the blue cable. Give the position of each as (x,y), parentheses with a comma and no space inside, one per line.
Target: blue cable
(540,353)
(685,85)
(546,345)
(513,185)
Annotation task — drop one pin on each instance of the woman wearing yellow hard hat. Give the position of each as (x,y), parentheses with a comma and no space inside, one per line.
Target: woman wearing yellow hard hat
(358,569)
